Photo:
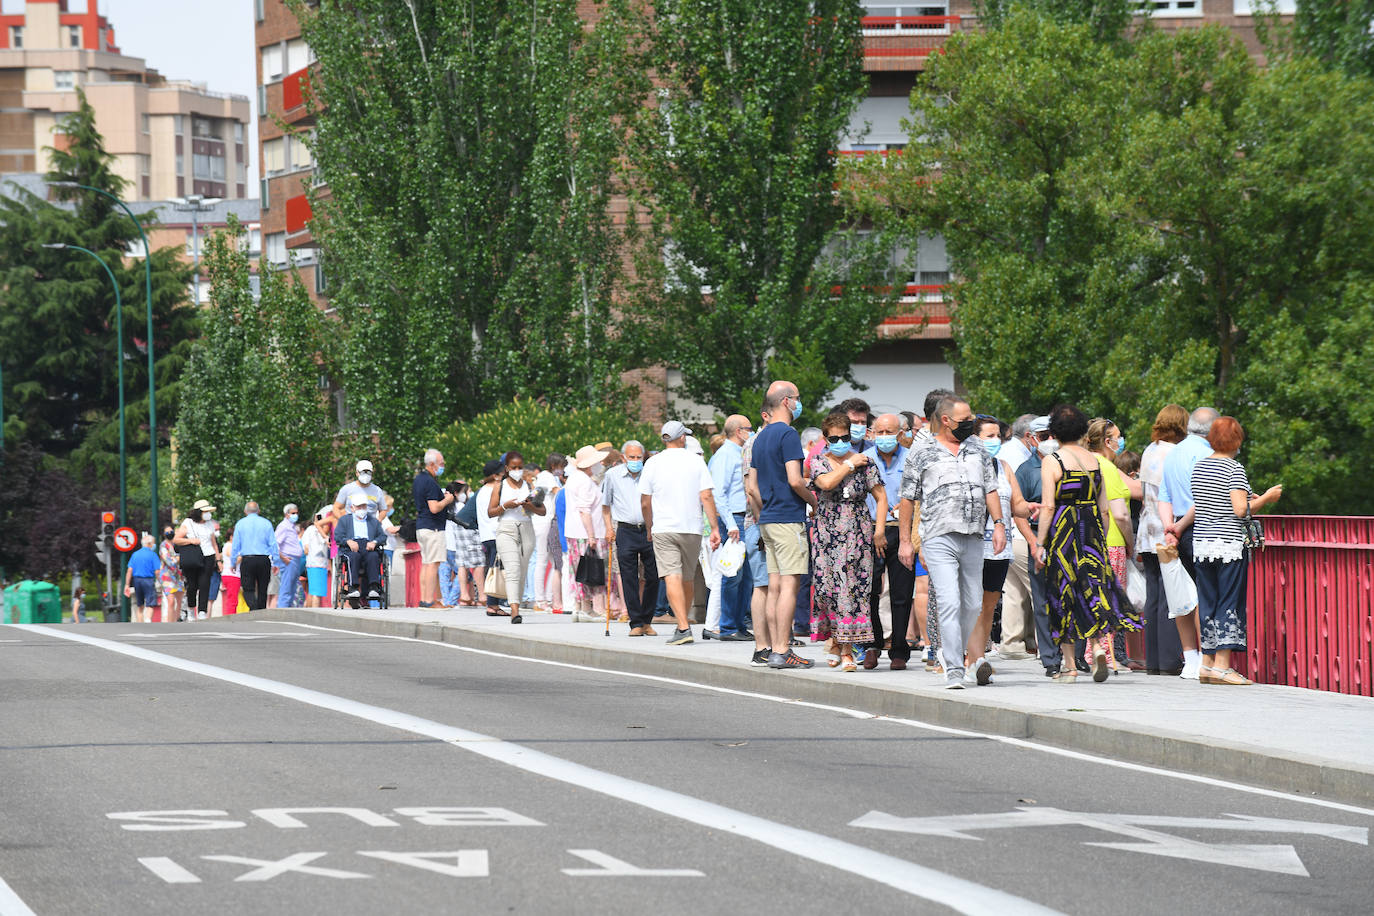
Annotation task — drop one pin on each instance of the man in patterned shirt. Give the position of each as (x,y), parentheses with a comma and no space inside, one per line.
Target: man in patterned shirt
(953,479)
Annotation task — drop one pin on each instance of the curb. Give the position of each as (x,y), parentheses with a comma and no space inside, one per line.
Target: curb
(1175,751)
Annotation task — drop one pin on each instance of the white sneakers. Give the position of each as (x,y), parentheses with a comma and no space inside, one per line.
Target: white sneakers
(583,617)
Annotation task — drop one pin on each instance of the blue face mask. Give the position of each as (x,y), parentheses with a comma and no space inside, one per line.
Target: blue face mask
(439,471)
(1121,445)
(796,408)
(293,518)
(886,443)
(635,465)
(858,430)
(839,448)
(992,445)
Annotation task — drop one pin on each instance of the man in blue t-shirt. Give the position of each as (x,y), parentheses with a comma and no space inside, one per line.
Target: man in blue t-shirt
(140,581)
(431,516)
(783,496)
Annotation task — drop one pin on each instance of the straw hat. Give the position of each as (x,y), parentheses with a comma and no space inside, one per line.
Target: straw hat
(588,455)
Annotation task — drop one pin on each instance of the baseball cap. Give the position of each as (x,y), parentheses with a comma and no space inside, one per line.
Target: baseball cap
(491,467)
(363,465)
(360,499)
(1040,424)
(674,429)
(694,446)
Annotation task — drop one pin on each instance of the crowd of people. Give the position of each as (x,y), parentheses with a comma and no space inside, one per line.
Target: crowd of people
(948,535)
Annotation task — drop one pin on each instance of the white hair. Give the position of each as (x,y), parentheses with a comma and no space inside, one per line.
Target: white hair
(1200,421)
(809,437)
(629,442)
(431,456)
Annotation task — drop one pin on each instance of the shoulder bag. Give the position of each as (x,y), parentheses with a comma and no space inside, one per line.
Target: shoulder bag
(591,571)
(495,585)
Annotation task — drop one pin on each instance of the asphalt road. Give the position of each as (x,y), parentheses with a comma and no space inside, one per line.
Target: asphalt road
(170,780)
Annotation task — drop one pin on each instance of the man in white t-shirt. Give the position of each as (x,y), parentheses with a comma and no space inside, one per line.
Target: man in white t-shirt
(673,489)
(362,483)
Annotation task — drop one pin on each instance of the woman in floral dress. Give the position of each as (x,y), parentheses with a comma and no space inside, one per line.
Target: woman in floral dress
(842,540)
(169,577)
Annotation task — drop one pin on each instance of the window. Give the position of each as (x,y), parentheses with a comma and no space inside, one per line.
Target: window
(298,155)
(262,101)
(1250,7)
(147,124)
(207,168)
(274,249)
(252,241)
(1174,7)
(274,157)
(179,125)
(241,172)
(258,10)
(205,128)
(264,197)
(16,36)
(181,164)
(238,131)
(65,80)
(321,281)
(885,17)
(272,63)
(71,36)
(299,55)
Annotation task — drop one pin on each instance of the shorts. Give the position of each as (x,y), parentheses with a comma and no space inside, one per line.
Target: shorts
(145,591)
(433,546)
(758,562)
(786,548)
(995,574)
(317,581)
(677,554)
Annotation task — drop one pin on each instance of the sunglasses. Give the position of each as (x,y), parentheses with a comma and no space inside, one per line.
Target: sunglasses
(843,438)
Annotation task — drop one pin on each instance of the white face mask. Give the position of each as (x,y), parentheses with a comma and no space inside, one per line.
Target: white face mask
(364,477)
(1048,446)
(360,514)
(516,477)
(205,516)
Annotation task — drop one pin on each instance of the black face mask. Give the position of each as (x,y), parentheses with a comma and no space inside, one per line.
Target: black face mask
(965,428)
(167,535)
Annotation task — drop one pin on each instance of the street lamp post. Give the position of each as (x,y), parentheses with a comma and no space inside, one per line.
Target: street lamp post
(152,383)
(195,204)
(119,363)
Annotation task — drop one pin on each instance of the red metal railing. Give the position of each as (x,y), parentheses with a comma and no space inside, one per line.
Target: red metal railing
(928,31)
(294,89)
(1311,604)
(911,25)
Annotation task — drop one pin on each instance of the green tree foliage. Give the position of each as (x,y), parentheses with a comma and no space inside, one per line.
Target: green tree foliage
(469,152)
(1158,222)
(254,422)
(1106,19)
(536,431)
(736,162)
(1340,33)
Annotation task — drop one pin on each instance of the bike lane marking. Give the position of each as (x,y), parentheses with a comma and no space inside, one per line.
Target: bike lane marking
(958,894)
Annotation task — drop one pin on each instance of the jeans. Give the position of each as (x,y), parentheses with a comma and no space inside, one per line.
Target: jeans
(736,591)
(448,579)
(631,549)
(955,562)
(289,589)
(901,590)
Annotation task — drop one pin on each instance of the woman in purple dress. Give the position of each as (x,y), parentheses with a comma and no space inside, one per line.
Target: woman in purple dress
(842,540)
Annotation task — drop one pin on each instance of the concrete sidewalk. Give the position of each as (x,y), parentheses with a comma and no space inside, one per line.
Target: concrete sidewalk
(1284,738)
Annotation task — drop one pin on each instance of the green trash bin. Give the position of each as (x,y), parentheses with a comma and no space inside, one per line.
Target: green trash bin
(33,602)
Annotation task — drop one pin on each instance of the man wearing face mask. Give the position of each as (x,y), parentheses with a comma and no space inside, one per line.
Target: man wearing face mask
(860,416)
(1028,476)
(431,516)
(292,555)
(889,456)
(727,471)
(624,517)
(359,537)
(955,482)
(362,483)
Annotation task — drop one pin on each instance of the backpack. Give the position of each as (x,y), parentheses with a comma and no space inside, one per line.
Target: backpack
(466,517)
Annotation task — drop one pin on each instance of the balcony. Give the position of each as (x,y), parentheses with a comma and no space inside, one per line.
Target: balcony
(923,314)
(298,216)
(904,42)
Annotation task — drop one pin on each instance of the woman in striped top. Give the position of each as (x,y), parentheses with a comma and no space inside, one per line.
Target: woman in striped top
(1222,497)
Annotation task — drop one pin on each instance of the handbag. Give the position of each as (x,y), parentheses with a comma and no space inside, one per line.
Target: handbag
(466,517)
(495,585)
(591,571)
(1251,530)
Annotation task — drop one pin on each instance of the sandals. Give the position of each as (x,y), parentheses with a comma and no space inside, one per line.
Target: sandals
(1227,677)
(848,662)
(833,661)
(1066,676)
(498,613)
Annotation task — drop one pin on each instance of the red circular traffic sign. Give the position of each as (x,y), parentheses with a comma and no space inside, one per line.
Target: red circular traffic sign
(125,539)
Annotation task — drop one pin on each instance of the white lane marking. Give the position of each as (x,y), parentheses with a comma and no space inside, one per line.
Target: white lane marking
(168,870)
(285,817)
(611,867)
(876,867)
(218,635)
(860,714)
(10,904)
(267,869)
(467,863)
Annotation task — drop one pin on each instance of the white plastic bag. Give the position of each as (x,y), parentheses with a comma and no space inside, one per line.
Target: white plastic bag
(729,558)
(1179,589)
(1135,585)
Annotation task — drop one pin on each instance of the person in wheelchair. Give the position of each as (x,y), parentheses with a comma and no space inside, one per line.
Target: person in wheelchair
(360,539)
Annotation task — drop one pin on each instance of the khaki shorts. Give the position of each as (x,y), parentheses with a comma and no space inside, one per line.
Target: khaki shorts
(677,554)
(786,549)
(431,545)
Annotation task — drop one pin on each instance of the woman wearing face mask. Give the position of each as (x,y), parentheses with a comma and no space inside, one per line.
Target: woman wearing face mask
(1105,441)
(510,503)
(843,539)
(316,544)
(1084,599)
(995,564)
(199,553)
(1164,652)
(169,579)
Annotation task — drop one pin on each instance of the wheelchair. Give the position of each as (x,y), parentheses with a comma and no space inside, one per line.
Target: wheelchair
(338,577)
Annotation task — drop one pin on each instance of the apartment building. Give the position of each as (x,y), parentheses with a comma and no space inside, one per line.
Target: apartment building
(170,137)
